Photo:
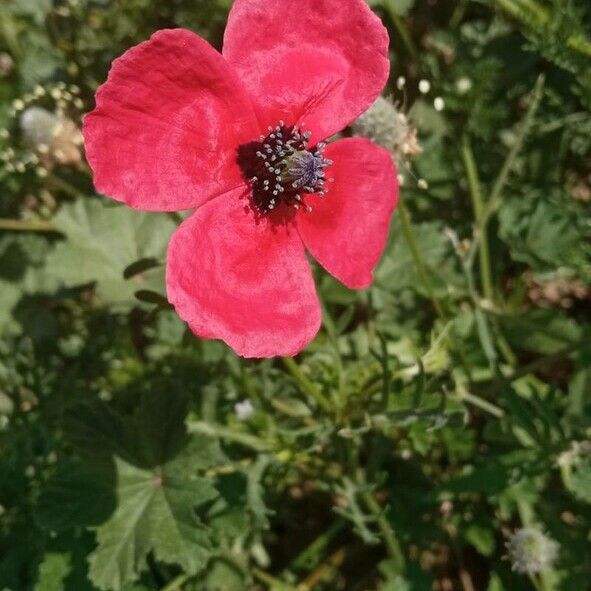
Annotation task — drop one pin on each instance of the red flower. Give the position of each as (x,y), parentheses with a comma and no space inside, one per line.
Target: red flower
(238,137)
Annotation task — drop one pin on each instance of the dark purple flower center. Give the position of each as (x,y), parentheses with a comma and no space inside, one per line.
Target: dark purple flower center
(281,168)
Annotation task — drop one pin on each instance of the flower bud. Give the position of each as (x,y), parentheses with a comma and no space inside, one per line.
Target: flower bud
(531,551)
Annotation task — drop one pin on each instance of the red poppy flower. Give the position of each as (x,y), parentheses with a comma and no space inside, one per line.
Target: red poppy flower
(238,136)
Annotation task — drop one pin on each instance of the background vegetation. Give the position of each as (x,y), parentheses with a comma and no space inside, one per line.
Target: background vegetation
(436,414)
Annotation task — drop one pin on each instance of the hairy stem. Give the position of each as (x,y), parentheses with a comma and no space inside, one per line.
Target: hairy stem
(272,582)
(478,208)
(229,434)
(390,540)
(26,226)
(401,28)
(409,236)
(307,386)
(176,584)
(494,201)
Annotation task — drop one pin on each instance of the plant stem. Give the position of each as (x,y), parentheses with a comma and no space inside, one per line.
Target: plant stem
(390,539)
(25,226)
(305,384)
(225,433)
(485,405)
(273,583)
(478,207)
(408,232)
(316,548)
(176,584)
(535,583)
(321,573)
(494,200)
(398,23)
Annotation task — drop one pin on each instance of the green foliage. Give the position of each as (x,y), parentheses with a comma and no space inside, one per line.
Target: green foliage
(436,412)
(109,239)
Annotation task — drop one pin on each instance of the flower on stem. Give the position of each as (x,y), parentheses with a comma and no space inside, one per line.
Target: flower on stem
(239,137)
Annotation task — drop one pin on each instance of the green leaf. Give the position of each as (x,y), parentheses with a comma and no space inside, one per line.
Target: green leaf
(53,571)
(398,270)
(547,232)
(108,239)
(79,494)
(140,266)
(155,512)
(151,297)
(580,479)
(542,331)
(482,538)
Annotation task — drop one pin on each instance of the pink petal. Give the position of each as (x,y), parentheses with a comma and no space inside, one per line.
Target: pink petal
(347,229)
(243,280)
(320,61)
(167,123)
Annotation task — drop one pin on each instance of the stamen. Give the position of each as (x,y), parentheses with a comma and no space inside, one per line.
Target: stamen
(281,166)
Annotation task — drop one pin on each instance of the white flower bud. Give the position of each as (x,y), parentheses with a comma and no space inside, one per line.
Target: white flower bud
(439,104)
(531,551)
(39,126)
(424,86)
(244,410)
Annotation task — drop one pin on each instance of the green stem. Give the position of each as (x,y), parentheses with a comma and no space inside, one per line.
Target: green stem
(485,405)
(535,583)
(306,385)
(306,558)
(273,583)
(229,434)
(401,28)
(478,207)
(25,226)
(408,232)
(494,200)
(176,584)
(331,331)
(390,539)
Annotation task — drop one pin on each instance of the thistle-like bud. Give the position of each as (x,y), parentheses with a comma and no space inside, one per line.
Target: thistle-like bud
(389,127)
(531,551)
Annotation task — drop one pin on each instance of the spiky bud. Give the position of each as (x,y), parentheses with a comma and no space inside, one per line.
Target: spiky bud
(389,127)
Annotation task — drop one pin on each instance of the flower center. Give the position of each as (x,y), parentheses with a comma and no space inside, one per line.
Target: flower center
(281,168)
